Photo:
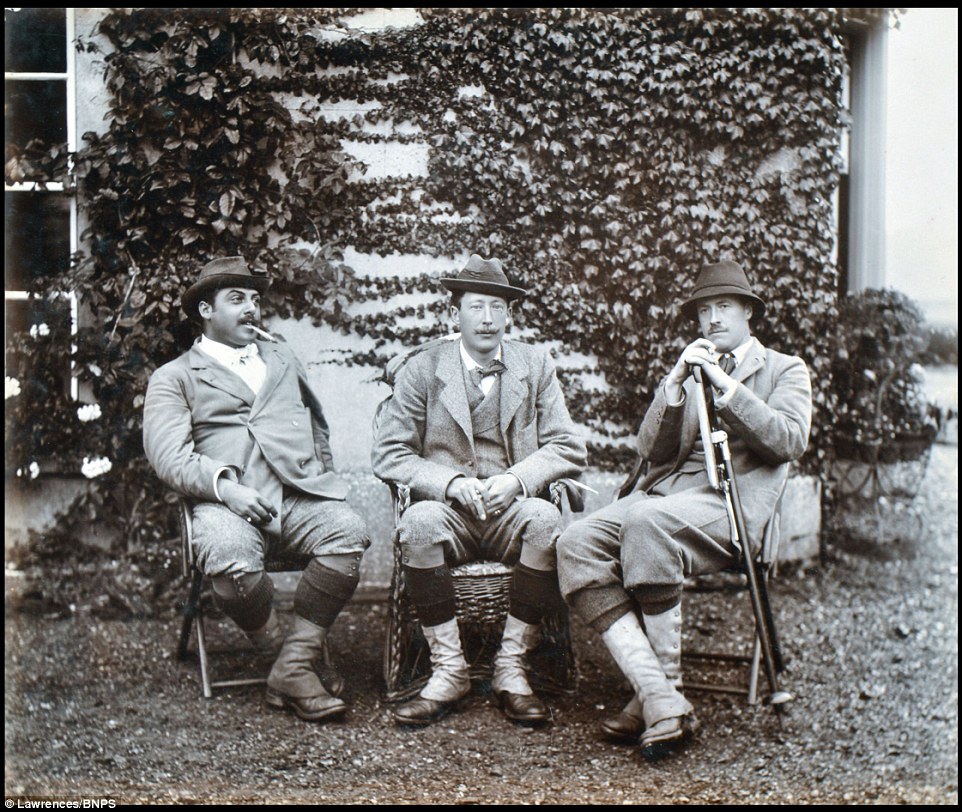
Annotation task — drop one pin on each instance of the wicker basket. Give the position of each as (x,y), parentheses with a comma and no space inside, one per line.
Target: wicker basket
(481,592)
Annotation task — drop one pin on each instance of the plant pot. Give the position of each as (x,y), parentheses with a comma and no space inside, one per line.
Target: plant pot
(875,484)
(902,448)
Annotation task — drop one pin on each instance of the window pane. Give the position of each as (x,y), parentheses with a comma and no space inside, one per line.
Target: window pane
(35,109)
(36,238)
(35,40)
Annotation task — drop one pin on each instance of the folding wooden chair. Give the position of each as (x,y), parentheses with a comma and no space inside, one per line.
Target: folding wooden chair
(768,558)
(194,613)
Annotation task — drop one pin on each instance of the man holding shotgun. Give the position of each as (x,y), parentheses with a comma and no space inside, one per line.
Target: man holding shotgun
(623,567)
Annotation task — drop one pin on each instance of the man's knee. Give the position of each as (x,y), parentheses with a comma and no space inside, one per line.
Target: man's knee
(539,520)
(424,524)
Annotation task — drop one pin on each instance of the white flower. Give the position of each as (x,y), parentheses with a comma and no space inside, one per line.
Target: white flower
(11,387)
(39,330)
(89,412)
(33,470)
(95,467)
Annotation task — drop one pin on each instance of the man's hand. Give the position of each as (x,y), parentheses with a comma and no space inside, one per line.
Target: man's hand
(247,503)
(500,492)
(700,353)
(468,492)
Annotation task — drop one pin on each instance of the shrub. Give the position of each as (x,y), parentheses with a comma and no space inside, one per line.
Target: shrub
(878,379)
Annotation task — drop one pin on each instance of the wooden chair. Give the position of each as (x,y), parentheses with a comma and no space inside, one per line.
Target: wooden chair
(768,558)
(195,615)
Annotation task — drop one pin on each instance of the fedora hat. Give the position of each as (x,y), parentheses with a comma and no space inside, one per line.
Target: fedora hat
(483,276)
(222,273)
(725,278)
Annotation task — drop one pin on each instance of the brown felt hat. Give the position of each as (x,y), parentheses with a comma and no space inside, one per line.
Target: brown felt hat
(483,276)
(222,273)
(725,278)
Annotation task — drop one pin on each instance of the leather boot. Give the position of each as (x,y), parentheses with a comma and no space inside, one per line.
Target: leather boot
(270,637)
(510,683)
(664,633)
(664,710)
(450,679)
(627,726)
(293,684)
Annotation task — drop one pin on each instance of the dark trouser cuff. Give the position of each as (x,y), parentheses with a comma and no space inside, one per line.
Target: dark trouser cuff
(432,593)
(532,593)
(322,593)
(601,606)
(653,600)
(251,611)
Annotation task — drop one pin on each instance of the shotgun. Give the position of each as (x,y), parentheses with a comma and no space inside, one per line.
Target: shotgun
(721,475)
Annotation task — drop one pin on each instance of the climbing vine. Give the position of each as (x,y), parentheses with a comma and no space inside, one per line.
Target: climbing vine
(603,155)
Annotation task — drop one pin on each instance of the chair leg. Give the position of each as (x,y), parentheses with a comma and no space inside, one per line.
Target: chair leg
(190,612)
(202,654)
(753,675)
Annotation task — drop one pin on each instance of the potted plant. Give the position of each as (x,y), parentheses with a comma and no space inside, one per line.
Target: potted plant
(884,427)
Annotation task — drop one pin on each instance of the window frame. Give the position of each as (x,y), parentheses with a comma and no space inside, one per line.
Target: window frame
(69,77)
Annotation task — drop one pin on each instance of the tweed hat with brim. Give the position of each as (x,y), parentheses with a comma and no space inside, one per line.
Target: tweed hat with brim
(725,278)
(483,276)
(220,273)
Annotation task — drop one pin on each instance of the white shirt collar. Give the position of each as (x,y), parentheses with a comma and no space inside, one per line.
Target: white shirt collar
(469,362)
(227,355)
(742,350)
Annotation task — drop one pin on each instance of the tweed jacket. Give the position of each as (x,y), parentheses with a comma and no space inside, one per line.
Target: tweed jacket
(768,420)
(199,416)
(425,438)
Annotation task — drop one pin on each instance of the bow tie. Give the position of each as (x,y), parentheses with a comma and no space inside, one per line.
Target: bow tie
(244,354)
(491,368)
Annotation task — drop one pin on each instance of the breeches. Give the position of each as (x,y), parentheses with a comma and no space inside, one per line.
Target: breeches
(226,544)
(644,542)
(533,522)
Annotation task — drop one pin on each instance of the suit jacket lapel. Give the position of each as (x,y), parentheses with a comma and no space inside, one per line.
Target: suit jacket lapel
(454,398)
(754,361)
(276,366)
(514,388)
(218,376)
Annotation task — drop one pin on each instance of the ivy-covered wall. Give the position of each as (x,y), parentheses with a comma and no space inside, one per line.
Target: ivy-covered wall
(604,156)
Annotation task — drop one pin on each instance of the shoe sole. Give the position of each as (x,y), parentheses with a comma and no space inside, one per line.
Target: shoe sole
(407,722)
(524,720)
(657,750)
(278,702)
(618,737)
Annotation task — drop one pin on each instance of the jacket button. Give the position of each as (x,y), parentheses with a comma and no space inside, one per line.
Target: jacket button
(294,423)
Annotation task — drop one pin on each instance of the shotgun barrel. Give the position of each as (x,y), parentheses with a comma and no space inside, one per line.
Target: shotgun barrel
(721,474)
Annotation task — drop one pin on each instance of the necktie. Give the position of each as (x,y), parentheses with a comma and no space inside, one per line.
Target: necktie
(492,368)
(727,363)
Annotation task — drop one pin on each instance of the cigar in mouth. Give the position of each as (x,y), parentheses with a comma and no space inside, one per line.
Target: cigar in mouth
(262,333)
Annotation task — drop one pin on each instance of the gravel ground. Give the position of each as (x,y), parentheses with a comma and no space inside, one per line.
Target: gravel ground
(100,708)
